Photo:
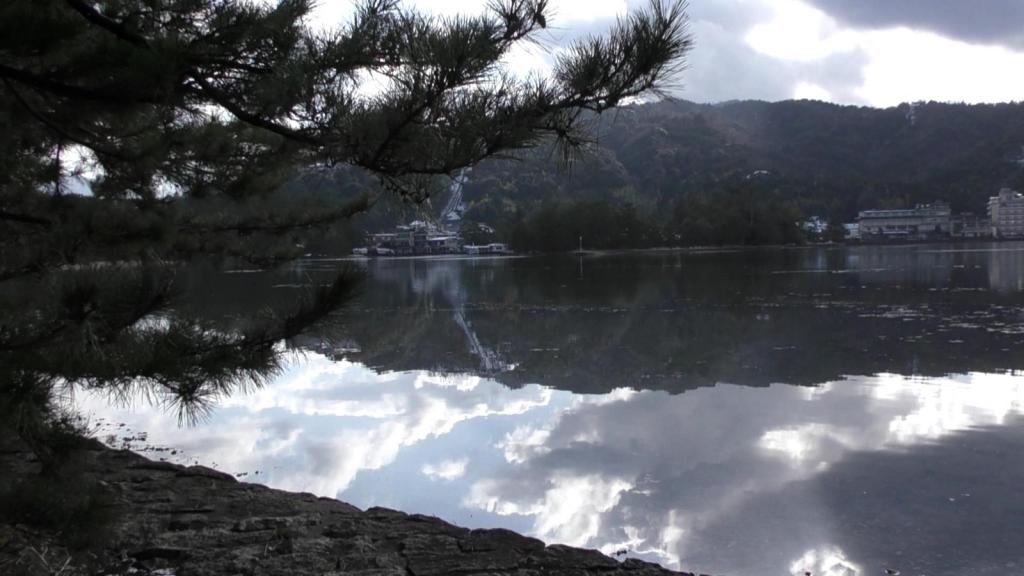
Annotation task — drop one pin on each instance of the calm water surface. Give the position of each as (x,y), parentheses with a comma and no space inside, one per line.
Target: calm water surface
(834,410)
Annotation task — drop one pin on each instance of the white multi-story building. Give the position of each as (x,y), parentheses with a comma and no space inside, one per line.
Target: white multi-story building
(922,221)
(1006,211)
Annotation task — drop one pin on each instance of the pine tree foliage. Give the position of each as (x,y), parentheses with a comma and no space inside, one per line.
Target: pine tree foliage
(185,116)
(224,98)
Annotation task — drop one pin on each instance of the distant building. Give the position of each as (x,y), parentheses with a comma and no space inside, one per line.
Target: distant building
(1006,211)
(423,238)
(969,225)
(851,231)
(443,244)
(922,221)
(495,248)
(412,239)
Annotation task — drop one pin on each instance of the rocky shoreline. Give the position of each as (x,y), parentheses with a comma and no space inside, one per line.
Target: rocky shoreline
(173,520)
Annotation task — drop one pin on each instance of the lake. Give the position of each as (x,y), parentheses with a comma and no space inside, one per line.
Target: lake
(837,410)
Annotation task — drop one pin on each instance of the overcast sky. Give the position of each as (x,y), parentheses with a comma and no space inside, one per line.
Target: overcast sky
(872,52)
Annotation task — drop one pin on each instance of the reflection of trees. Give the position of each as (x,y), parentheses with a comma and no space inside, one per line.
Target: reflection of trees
(676,322)
(670,321)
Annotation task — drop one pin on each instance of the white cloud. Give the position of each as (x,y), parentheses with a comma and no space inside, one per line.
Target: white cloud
(616,395)
(827,561)
(463,382)
(529,60)
(524,443)
(570,11)
(810,91)
(370,419)
(772,441)
(956,404)
(572,507)
(902,64)
(796,443)
(569,510)
(906,65)
(801,33)
(330,14)
(446,469)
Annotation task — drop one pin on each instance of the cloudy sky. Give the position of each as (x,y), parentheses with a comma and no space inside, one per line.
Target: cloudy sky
(866,52)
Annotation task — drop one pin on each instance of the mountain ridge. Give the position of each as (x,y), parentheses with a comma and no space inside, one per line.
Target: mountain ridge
(868,156)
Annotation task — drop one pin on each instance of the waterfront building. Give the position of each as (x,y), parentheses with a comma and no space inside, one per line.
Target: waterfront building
(1006,211)
(851,231)
(922,221)
(443,244)
(415,238)
(968,225)
(493,248)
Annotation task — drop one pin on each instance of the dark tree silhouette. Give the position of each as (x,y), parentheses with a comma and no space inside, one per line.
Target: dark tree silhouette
(187,116)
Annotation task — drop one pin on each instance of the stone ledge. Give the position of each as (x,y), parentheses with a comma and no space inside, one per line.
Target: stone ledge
(207,528)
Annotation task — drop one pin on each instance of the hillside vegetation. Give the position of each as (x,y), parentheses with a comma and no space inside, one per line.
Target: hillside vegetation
(679,173)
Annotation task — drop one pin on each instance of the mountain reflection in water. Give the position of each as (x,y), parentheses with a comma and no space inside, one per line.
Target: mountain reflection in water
(831,411)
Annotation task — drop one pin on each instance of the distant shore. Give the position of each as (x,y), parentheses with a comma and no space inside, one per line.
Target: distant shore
(670,249)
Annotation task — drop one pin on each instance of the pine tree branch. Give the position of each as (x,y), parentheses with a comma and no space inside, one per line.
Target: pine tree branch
(75,92)
(231,65)
(61,131)
(118,29)
(225,101)
(249,227)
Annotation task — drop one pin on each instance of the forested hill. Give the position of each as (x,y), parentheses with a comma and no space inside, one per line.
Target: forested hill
(680,160)
(679,173)
(840,157)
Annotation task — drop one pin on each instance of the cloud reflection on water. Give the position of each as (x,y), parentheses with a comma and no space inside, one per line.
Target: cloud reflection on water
(723,478)
(322,422)
(711,452)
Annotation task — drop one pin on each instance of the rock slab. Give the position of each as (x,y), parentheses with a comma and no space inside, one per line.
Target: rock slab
(173,520)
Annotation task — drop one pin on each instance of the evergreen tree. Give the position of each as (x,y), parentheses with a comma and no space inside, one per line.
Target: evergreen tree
(187,116)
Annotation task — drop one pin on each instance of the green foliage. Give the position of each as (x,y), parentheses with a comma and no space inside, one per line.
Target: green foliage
(743,215)
(820,159)
(739,216)
(196,124)
(601,225)
(227,98)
